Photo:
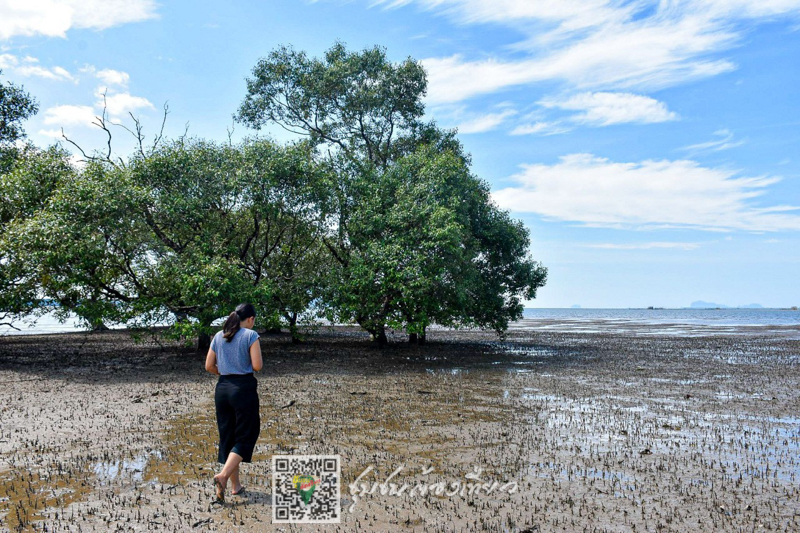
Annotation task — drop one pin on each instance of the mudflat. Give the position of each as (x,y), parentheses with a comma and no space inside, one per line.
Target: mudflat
(621,431)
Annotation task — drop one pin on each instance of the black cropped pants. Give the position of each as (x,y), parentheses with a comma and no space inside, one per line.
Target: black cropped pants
(238,420)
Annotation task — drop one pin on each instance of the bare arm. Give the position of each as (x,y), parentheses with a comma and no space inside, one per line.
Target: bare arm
(255,356)
(211,362)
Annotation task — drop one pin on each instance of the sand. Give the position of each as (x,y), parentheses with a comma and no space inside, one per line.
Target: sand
(624,431)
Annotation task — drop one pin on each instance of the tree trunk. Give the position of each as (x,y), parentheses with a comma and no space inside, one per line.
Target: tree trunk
(293,328)
(376,333)
(423,337)
(203,342)
(412,338)
(381,337)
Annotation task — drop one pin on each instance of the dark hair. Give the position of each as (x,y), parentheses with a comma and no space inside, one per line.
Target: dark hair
(234,321)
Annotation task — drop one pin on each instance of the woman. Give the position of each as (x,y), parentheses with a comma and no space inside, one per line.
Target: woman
(234,355)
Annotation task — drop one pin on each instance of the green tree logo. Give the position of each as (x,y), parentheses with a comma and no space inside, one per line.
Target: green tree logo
(305,485)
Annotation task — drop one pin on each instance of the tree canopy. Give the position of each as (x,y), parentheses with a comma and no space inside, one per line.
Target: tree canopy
(357,102)
(414,236)
(16,106)
(190,229)
(373,216)
(27,178)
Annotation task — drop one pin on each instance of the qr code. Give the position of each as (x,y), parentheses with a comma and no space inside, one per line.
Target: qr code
(306,489)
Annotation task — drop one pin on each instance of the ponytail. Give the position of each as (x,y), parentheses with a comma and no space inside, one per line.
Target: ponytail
(234,321)
(232,325)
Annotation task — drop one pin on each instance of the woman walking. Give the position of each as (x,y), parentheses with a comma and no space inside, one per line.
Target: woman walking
(234,355)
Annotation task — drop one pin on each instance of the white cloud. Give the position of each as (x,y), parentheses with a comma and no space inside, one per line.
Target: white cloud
(54,18)
(603,109)
(123,103)
(54,73)
(54,133)
(643,58)
(647,246)
(117,104)
(485,122)
(597,44)
(597,192)
(27,67)
(724,142)
(109,76)
(69,115)
(113,93)
(567,16)
(114,77)
(8,61)
(540,128)
(571,14)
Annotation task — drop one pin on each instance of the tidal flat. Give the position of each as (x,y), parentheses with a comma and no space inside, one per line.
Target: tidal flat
(598,431)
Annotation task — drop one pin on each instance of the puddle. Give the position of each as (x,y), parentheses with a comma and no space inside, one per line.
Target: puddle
(125,470)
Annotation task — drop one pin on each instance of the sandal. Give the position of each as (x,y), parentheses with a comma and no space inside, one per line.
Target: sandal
(239,492)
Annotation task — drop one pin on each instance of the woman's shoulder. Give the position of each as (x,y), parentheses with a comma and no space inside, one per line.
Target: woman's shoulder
(215,341)
(250,334)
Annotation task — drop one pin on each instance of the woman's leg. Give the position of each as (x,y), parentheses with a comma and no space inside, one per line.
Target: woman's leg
(226,424)
(243,428)
(226,420)
(236,485)
(231,466)
(248,421)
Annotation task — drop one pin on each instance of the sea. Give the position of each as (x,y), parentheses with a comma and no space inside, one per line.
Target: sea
(686,321)
(689,322)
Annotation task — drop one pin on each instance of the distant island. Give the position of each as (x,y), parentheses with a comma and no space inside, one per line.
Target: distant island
(700,304)
(575,306)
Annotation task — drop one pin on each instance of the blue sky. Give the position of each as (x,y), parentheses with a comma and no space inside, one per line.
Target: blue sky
(652,148)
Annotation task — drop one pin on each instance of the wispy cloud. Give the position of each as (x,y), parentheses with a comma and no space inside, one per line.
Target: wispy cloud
(29,67)
(650,194)
(108,76)
(596,44)
(604,109)
(540,128)
(569,15)
(486,122)
(647,246)
(53,18)
(724,141)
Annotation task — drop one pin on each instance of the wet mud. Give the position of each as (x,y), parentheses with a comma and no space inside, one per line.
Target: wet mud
(597,431)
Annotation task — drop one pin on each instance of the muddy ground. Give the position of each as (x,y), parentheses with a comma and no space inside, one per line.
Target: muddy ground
(598,432)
